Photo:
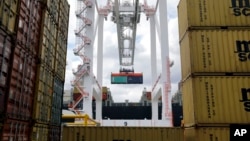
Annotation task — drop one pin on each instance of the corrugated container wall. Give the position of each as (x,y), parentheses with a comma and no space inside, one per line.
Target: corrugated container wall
(16,130)
(53,10)
(54,133)
(45,79)
(122,134)
(207,134)
(63,24)
(56,110)
(62,40)
(24,65)
(212,13)
(209,51)
(51,72)
(5,61)
(43,97)
(8,15)
(40,132)
(216,100)
(48,44)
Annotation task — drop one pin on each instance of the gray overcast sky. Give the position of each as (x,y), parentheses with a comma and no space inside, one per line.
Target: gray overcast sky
(142,58)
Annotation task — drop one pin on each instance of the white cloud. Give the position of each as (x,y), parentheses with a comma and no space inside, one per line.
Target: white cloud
(142,59)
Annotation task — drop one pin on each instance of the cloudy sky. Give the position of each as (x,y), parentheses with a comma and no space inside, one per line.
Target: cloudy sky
(142,63)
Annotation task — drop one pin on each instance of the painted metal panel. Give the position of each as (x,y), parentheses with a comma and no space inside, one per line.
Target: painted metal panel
(148,95)
(207,134)
(134,79)
(104,89)
(53,9)
(15,130)
(60,63)
(62,34)
(57,98)
(212,13)
(43,95)
(118,79)
(49,40)
(54,133)
(216,100)
(8,14)
(5,61)
(40,132)
(122,134)
(215,51)
(22,87)
(63,24)
(29,26)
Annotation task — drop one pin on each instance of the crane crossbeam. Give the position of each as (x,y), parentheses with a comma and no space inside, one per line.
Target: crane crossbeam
(126,15)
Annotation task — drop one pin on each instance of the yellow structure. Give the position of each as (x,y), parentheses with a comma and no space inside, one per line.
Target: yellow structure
(87,121)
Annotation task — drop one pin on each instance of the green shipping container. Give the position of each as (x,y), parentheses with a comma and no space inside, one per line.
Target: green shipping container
(118,79)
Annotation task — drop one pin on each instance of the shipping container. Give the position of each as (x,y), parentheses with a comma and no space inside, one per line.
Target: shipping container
(57,99)
(216,100)
(177,111)
(29,26)
(129,112)
(104,96)
(40,132)
(61,44)
(1,128)
(76,96)
(22,87)
(14,130)
(118,79)
(75,90)
(149,95)
(43,95)
(60,64)
(212,13)
(211,51)
(47,51)
(104,89)
(8,15)
(54,133)
(207,134)
(5,60)
(122,134)
(53,9)
(64,9)
(134,80)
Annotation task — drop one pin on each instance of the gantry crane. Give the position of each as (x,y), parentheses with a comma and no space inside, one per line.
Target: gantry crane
(126,16)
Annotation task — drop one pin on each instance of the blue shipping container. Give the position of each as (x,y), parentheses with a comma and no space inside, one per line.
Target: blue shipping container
(134,80)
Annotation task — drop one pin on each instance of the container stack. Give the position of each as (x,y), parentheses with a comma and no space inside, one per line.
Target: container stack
(74,133)
(33,47)
(20,19)
(51,71)
(42,108)
(59,71)
(215,60)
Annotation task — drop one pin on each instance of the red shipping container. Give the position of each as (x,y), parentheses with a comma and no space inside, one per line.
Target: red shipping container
(24,61)
(14,130)
(54,133)
(104,96)
(148,94)
(21,89)
(5,57)
(29,25)
(76,96)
